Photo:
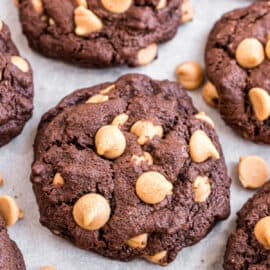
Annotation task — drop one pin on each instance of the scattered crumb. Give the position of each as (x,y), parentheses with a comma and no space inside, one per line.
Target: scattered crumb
(21,213)
(1,180)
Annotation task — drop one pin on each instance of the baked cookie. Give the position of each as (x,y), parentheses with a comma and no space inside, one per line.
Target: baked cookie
(10,256)
(102,33)
(238,65)
(16,88)
(248,248)
(130,169)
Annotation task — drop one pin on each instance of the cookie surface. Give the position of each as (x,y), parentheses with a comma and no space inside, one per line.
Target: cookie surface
(242,33)
(10,256)
(244,251)
(183,198)
(101,33)
(16,88)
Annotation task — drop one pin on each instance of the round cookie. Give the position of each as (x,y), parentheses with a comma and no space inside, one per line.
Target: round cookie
(130,169)
(16,88)
(238,65)
(249,246)
(102,33)
(10,256)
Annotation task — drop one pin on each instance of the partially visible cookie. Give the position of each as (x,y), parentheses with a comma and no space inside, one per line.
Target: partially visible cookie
(248,248)
(16,88)
(238,64)
(10,256)
(130,169)
(102,33)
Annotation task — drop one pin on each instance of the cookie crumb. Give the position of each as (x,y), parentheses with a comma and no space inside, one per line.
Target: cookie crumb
(1,180)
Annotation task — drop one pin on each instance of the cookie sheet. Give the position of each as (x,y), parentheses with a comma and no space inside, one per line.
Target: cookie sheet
(54,80)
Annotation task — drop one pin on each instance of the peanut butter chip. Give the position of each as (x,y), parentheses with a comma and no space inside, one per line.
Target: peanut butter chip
(252,171)
(44,18)
(201,147)
(51,22)
(110,142)
(161,4)
(47,268)
(267,49)
(157,257)
(97,99)
(20,63)
(58,180)
(203,117)
(82,3)
(262,232)
(147,55)
(260,101)
(91,211)
(116,6)
(153,187)
(146,131)
(120,120)
(187,12)
(210,94)
(107,89)
(38,6)
(138,160)
(9,210)
(139,241)
(86,21)
(250,53)
(190,74)
(1,25)
(201,188)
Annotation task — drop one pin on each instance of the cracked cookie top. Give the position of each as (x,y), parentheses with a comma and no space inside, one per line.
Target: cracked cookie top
(100,32)
(130,169)
(238,64)
(248,247)
(16,88)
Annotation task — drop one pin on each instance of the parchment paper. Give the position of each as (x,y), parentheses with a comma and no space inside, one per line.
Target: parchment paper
(54,80)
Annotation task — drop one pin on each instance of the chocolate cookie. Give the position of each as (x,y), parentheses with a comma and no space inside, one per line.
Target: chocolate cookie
(102,33)
(10,256)
(248,248)
(238,65)
(130,169)
(16,88)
